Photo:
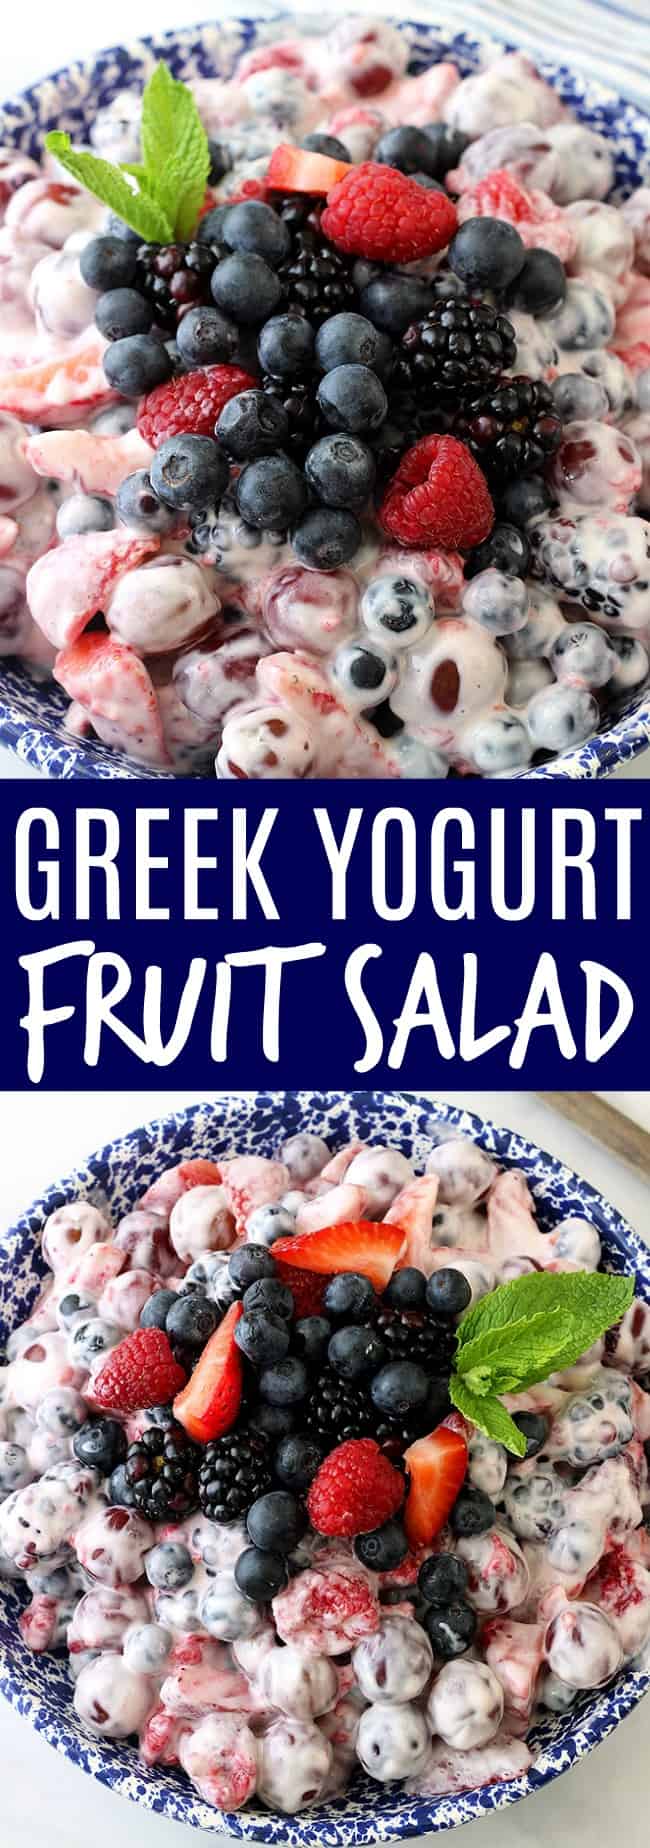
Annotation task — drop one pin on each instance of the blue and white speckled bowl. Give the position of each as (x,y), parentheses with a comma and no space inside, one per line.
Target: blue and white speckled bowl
(39,1686)
(32,716)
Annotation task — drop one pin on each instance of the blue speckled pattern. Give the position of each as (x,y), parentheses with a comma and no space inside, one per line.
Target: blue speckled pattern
(32,716)
(39,1686)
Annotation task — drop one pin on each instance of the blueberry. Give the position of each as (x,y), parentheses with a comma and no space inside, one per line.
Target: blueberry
(117,228)
(311,1335)
(249,1263)
(121,312)
(260,1575)
(220,162)
(349,1297)
(115,421)
(73,1304)
(91,1338)
(245,287)
(255,228)
(192,1319)
(210,227)
(120,1492)
(507,549)
(156,1310)
(535,1428)
(205,337)
(392,302)
(408,149)
(353,1353)
(560,716)
(430,185)
(450,1631)
(272,1421)
(366,675)
(269,1295)
(472,1513)
(101,1444)
(297,1459)
(266,1223)
(540,285)
(169,1566)
(137,505)
(252,424)
(271,493)
(353,399)
(326,538)
(523,500)
(262,1337)
(286,346)
(448,1292)
(276,1522)
(448,145)
(326,144)
(398,1388)
(135,365)
(405,1290)
(286,1382)
(383,1549)
(189,471)
(583,651)
(341,471)
(487,253)
(578,398)
(84,513)
(352,340)
(108,263)
(397,609)
(442,1578)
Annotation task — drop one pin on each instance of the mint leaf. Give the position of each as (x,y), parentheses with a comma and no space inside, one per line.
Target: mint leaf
(510,1361)
(588,1302)
(175,149)
(107,183)
(489,1416)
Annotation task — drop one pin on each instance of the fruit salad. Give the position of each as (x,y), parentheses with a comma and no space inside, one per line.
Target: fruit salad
(281,1474)
(326,451)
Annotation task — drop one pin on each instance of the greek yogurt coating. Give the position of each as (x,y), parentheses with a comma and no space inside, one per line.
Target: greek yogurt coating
(165,1645)
(506,715)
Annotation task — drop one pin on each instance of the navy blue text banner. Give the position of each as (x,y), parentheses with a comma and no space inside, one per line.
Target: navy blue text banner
(309,934)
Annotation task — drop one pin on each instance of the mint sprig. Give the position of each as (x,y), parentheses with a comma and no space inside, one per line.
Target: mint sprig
(169,186)
(518,1334)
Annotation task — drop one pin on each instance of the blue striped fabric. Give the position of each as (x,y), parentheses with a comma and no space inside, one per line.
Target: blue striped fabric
(605,39)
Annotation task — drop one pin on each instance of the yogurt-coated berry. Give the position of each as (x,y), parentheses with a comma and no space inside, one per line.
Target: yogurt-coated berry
(110,1700)
(465,1706)
(392,1741)
(395,1662)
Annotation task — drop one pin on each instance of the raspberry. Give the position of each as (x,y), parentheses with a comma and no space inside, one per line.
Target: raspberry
(378,213)
(141,1371)
(439,496)
(355,1490)
(307,1288)
(190,403)
(498,196)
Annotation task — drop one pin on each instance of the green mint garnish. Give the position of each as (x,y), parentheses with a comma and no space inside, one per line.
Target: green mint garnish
(516,1336)
(172,176)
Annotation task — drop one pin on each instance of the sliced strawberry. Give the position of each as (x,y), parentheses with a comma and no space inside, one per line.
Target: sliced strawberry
(59,390)
(374,1250)
(98,463)
(209,1404)
(199,1173)
(71,583)
(296,170)
(437,1467)
(307,1287)
(113,686)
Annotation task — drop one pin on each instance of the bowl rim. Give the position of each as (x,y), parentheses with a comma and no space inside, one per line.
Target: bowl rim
(408,1817)
(38,745)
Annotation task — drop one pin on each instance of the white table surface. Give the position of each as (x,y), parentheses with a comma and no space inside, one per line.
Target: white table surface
(46,1802)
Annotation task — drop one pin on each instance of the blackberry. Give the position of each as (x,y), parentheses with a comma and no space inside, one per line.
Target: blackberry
(161,1470)
(175,276)
(336,1411)
(316,279)
(513,431)
(298,399)
(412,1334)
(235,1470)
(456,353)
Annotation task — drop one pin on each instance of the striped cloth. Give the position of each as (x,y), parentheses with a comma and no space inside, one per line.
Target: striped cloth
(606,39)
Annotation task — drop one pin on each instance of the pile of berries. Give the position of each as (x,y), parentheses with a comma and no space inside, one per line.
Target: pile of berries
(303,1389)
(285,361)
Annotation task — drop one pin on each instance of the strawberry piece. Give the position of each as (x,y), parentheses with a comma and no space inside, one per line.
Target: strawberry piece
(209,1403)
(437,1467)
(378,213)
(307,1287)
(98,463)
(355,1490)
(373,1249)
(113,686)
(199,1173)
(297,170)
(192,402)
(439,496)
(60,390)
(72,583)
(139,1372)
